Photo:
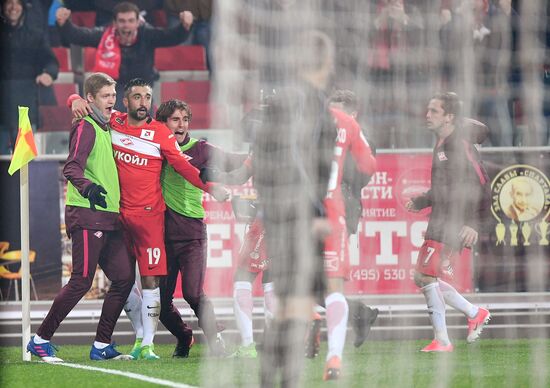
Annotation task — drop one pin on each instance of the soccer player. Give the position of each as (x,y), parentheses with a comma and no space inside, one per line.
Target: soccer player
(93,224)
(353,180)
(140,146)
(185,230)
(253,261)
(292,157)
(456,196)
(351,140)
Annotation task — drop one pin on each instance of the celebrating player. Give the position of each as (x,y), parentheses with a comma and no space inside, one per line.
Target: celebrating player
(185,233)
(349,139)
(92,218)
(140,146)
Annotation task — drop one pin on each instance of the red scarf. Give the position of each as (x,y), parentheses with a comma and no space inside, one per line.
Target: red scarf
(108,56)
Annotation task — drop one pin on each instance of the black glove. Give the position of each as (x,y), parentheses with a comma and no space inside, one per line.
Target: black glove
(209,174)
(96,195)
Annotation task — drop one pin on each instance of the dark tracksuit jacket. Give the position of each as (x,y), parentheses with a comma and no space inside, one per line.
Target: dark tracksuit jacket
(458,190)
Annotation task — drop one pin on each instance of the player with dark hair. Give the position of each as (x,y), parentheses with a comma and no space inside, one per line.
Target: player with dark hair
(353,180)
(185,230)
(141,145)
(456,197)
(252,262)
(93,224)
(349,140)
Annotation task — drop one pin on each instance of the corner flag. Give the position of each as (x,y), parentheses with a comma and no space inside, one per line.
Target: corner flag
(25,148)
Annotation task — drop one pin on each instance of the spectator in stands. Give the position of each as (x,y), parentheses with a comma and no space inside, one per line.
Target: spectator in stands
(491,49)
(27,62)
(202,12)
(37,12)
(505,41)
(394,69)
(104,10)
(488,44)
(132,53)
(53,33)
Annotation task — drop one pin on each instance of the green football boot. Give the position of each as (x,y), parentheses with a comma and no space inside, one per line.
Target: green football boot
(136,350)
(147,353)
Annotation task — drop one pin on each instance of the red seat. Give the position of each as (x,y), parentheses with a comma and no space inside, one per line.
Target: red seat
(62,91)
(89,58)
(160,19)
(180,58)
(55,118)
(83,18)
(192,92)
(201,116)
(64,58)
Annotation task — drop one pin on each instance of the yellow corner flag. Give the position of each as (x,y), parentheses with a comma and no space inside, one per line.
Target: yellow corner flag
(25,148)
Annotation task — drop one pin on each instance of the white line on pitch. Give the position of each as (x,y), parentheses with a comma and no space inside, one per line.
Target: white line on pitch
(130,375)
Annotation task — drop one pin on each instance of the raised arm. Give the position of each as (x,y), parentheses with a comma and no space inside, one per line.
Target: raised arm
(71,34)
(166,37)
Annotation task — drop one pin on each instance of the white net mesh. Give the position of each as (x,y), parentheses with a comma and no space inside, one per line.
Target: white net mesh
(394,55)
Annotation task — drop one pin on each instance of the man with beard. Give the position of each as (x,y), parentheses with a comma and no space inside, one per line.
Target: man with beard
(140,146)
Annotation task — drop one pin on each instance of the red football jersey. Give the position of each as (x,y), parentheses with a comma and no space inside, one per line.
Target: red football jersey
(349,138)
(139,153)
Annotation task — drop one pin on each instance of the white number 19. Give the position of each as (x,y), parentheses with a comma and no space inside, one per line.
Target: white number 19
(154,253)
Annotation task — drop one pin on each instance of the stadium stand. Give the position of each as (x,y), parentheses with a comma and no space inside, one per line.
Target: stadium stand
(83,18)
(197,95)
(180,58)
(192,92)
(63,56)
(159,18)
(57,118)
(89,58)
(181,63)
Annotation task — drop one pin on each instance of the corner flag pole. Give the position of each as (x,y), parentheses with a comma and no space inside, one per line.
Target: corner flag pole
(25,266)
(23,152)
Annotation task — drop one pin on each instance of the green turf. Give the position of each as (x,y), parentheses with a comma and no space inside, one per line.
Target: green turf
(487,363)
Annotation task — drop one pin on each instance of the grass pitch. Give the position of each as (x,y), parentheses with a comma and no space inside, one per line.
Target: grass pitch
(487,363)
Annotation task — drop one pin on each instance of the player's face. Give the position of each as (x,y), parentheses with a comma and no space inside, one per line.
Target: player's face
(178,123)
(521,195)
(436,118)
(13,9)
(138,102)
(126,24)
(104,100)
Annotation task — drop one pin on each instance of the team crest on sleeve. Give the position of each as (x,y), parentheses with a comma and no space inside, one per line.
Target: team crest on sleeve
(147,134)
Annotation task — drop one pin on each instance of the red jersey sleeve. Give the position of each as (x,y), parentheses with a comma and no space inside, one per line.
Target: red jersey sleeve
(361,152)
(71,98)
